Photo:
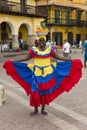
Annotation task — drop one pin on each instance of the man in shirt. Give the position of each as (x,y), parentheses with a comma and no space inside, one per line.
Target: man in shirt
(66,48)
(49,42)
(21,44)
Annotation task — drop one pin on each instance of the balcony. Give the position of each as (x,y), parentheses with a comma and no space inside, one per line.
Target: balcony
(14,8)
(64,22)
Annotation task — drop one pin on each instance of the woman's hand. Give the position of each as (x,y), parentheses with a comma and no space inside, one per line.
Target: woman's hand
(67,58)
(70,58)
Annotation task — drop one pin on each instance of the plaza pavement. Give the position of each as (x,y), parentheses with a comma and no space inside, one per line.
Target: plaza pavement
(67,112)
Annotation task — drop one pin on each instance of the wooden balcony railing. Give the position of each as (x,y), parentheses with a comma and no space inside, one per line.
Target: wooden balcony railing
(15,8)
(64,22)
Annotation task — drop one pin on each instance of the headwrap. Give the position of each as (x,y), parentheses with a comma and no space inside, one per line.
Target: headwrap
(36,42)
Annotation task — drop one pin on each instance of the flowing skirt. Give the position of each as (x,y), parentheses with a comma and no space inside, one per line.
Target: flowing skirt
(44,84)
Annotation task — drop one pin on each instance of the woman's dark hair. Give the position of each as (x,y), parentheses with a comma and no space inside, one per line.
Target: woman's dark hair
(41,40)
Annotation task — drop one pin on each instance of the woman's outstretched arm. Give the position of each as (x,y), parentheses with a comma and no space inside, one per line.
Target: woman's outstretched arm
(25,58)
(56,56)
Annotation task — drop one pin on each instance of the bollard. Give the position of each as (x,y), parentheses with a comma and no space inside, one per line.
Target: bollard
(2,95)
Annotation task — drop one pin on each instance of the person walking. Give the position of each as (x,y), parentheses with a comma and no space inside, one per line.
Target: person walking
(80,44)
(10,45)
(85,52)
(49,43)
(43,80)
(66,48)
(21,44)
(75,45)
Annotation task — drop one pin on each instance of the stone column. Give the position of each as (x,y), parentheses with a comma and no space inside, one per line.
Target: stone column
(15,41)
(50,33)
(30,40)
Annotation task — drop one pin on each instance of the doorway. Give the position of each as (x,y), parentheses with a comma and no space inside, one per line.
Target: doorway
(78,38)
(57,36)
(70,38)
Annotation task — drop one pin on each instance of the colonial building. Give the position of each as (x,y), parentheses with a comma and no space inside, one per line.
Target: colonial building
(19,19)
(67,19)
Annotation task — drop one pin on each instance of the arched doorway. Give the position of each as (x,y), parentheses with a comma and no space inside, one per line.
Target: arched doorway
(22,34)
(5,33)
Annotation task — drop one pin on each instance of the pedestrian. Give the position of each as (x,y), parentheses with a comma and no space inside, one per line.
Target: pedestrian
(75,45)
(66,48)
(21,44)
(80,44)
(43,80)
(10,45)
(85,52)
(5,45)
(49,42)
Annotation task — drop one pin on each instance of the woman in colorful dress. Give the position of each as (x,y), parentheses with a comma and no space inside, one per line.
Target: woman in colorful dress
(44,81)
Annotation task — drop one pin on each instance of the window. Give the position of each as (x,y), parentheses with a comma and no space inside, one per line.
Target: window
(65,17)
(57,16)
(78,15)
(3,1)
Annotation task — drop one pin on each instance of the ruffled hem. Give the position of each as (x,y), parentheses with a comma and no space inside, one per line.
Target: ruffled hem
(36,99)
(73,77)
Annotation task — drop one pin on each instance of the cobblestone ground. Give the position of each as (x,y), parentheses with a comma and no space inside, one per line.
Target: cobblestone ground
(67,112)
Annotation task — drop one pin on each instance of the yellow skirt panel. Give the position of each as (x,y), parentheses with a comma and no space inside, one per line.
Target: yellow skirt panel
(42,71)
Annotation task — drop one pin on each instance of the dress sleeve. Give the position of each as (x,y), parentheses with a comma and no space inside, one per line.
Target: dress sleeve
(52,51)
(31,52)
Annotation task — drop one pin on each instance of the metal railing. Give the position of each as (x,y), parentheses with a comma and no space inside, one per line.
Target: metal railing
(20,9)
(64,22)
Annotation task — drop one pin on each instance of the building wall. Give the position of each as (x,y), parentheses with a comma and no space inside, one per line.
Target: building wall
(27,25)
(31,2)
(16,24)
(78,32)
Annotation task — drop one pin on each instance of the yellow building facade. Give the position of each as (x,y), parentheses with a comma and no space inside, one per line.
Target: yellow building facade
(67,19)
(18,19)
